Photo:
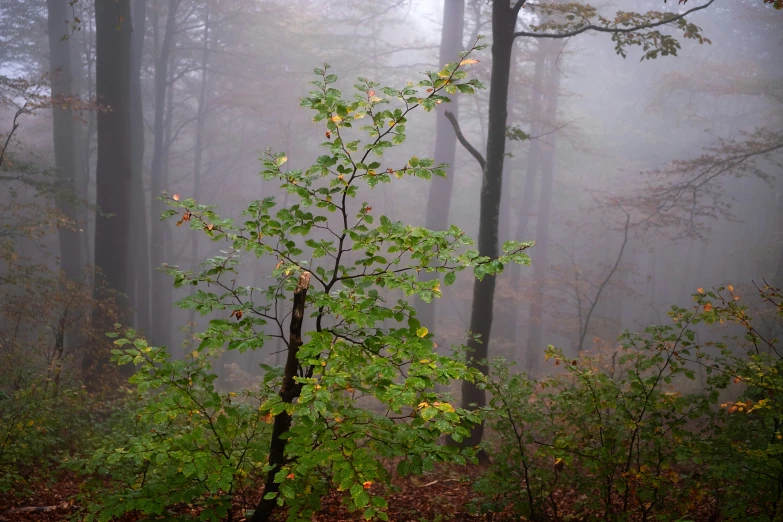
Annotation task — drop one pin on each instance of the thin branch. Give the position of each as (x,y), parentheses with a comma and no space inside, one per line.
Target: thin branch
(465,143)
(613,30)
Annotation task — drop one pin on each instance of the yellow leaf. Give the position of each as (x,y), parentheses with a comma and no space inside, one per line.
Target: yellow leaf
(422,332)
(731,288)
(336,119)
(468,61)
(194,354)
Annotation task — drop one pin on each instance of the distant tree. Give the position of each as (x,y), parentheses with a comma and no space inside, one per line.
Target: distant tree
(439,198)
(61,79)
(114,168)
(554,21)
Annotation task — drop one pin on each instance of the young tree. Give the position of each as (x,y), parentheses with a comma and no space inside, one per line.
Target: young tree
(340,351)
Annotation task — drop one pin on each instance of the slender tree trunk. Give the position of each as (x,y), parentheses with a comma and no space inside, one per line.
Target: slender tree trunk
(201,112)
(161,313)
(503,23)
(141,264)
(531,175)
(289,390)
(539,254)
(64,157)
(439,198)
(114,170)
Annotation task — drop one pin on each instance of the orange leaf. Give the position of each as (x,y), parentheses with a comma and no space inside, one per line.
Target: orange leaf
(468,61)
(290,476)
(707,307)
(175,197)
(367,484)
(700,290)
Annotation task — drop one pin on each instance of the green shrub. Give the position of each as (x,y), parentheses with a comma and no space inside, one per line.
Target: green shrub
(183,444)
(622,443)
(608,444)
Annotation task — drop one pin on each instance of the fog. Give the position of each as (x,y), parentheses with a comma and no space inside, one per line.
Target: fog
(610,139)
(620,130)
(545,238)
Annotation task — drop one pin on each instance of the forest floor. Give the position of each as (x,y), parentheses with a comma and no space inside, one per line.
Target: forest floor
(444,495)
(441,495)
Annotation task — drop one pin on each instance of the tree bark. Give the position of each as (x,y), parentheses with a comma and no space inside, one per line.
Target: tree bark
(63,131)
(503,23)
(161,305)
(531,175)
(114,170)
(539,254)
(289,390)
(201,113)
(439,198)
(140,235)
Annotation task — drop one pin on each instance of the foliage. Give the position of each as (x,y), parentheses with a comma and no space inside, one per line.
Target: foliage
(615,440)
(39,427)
(752,436)
(609,436)
(363,389)
(187,442)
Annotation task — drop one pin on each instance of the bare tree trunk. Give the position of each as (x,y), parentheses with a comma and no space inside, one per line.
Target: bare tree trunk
(161,306)
(114,171)
(539,254)
(201,113)
(503,23)
(531,174)
(63,131)
(140,235)
(289,390)
(439,198)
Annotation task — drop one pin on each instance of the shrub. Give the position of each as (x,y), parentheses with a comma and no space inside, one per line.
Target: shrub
(605,443)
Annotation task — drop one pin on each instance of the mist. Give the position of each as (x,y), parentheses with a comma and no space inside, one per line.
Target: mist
(635,163)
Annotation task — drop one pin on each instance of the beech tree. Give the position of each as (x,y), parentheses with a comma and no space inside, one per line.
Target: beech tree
(553,21)
(114,167)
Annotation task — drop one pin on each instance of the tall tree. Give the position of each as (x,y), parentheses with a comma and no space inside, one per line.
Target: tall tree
(161,300)
(140,286)
(61,78)
(564,21)
(114,169)
(439,198)
(550,96)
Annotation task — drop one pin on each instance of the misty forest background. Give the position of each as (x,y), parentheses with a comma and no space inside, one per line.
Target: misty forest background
(641,154)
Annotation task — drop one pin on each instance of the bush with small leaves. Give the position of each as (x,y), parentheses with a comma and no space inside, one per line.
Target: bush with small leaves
(605,443)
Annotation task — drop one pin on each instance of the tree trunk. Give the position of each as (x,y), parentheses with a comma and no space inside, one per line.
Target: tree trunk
(531,174)
(140,235)
(539,254)
(288,392)
(114,171)
(439,198)
(201,112)
(503,23)
(161,313)
(63,132)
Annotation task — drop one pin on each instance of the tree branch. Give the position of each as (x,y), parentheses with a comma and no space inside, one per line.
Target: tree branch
(465,143)
(615,30)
